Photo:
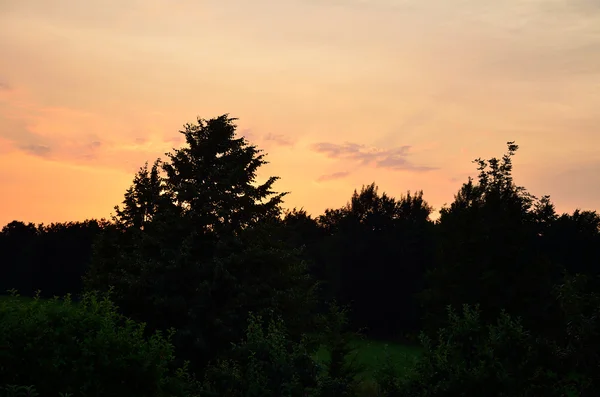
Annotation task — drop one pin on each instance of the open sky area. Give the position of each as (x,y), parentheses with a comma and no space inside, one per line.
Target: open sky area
(339,93)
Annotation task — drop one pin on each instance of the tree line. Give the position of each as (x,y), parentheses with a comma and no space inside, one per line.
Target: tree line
(199,246)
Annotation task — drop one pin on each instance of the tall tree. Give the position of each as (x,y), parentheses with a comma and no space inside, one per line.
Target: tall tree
(214,180)
(489,249)
(188,248)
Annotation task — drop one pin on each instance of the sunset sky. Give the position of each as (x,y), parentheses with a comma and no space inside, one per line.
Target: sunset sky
(339,93)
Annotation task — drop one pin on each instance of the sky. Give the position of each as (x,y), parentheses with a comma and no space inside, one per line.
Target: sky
(338,93)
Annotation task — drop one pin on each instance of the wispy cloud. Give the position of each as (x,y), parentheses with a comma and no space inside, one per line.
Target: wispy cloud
(86,138)
(279,139)
(334,176)
(36,150)
(88,152)
(579,6)
(409,125)
(74,153)
(393,158)
(248,134)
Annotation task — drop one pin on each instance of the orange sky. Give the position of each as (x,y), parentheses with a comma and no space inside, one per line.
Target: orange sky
(339,93)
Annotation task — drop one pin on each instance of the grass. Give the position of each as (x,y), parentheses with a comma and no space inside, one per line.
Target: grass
(21,298)
(371,353)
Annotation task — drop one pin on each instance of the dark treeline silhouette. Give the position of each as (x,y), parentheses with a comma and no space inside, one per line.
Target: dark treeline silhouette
(50,258)
(382,255)
(197,245)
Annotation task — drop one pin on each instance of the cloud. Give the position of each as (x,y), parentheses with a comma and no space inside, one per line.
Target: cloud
(172,139)
(279,139)
(4,86)
(578,6)
(141,140)
(248,134)
(86,152)
(73,136)
(36,150)
(416,120)
(393,158)
(368,5)
(334,176)
(70,153)
(409,125)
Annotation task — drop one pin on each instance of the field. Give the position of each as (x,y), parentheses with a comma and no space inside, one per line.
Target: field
(21,298)
(370,354)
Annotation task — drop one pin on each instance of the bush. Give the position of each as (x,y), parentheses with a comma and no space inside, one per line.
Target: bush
(22,391)
(341,376)
(578,351)
(472,359)
(266,363)
(84,348)
(388,383)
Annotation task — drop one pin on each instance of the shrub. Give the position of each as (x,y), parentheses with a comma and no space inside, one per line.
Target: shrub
(472,359)
(578,352)
(21,391)
(341,372)
(388,382)
(84,348)
(266,363)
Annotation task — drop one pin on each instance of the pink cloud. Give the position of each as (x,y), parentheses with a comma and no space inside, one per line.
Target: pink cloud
(395,158)
(334,176)
(279,139)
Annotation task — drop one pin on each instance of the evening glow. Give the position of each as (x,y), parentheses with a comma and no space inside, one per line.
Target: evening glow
(338,93)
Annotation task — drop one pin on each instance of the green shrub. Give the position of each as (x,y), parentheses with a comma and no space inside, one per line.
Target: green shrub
(472,359)
(388,382)
(578,352)
(266,363)
(81,349)
(20,391)
(341,372)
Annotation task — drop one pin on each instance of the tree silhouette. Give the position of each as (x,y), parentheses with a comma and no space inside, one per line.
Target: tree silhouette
(190,250)
(213,178)
(489,249)
(51,258)
(375,256)
(142,199)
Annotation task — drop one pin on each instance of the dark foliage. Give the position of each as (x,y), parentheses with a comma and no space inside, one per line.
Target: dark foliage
(374,255)
(267,362)
(198,244)
(496,248)
(192,247)
(51,258)
(342,372)
(469,358)
(83,348)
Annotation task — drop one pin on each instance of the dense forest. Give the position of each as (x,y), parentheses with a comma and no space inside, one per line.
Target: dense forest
(202,284)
